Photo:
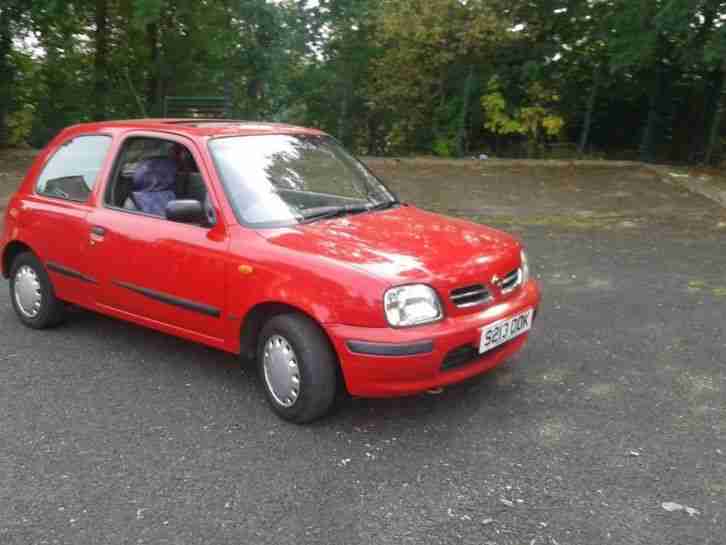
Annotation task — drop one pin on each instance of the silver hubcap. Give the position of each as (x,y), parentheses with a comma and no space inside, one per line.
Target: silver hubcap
(27,291)
(282,374)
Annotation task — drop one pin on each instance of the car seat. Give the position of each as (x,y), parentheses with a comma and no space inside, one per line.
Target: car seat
(153,185)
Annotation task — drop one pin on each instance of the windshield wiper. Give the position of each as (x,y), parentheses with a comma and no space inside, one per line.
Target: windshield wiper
(384,205)
(326,212)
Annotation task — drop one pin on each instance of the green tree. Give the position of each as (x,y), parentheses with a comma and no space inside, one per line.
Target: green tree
(434,53)
(13,24)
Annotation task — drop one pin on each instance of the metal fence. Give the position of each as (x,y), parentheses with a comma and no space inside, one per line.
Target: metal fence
(196,107)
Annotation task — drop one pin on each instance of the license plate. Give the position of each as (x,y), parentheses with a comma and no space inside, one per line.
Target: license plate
(505,330)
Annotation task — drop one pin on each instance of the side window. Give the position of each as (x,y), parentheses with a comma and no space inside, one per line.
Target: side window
(71,173)
(150,173)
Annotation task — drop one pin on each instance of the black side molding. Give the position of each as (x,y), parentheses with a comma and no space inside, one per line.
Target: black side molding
(172,300)
(65,271)
(389,349)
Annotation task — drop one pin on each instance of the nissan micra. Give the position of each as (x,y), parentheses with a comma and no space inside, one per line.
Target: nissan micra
(269,241)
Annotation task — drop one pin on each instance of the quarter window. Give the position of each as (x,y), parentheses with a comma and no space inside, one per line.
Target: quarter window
(72,172)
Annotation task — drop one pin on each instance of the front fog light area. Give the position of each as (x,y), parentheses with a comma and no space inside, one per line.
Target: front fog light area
(412,305)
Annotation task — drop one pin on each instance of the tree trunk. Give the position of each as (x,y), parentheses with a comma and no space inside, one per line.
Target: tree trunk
(228,96)
(651,130)
(714,134)
(345,132)
(648,144)
(139,100)
(6,73)
(655,125)
(462,133)
(100,87)
(255,88)
(153,105)
(592,99)
(372,126)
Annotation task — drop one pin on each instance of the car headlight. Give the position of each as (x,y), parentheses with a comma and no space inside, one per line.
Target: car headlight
(412,305)
(525,266)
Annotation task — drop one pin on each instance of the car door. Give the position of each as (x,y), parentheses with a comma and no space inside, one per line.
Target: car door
(161,272)
(56,215)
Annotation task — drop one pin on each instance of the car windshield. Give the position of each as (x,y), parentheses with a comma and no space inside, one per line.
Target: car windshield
(283,179)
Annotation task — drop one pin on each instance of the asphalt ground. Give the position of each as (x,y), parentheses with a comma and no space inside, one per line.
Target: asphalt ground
(608,428)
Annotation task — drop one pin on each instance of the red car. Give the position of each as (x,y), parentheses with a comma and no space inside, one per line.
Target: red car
(269,241)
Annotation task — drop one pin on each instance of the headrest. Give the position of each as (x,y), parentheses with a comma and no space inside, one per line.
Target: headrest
(157,174)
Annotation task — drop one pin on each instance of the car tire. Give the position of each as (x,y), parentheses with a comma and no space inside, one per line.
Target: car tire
(297,367)
(32,294)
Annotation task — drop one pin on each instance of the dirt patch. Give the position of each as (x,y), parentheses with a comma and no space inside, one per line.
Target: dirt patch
(708,183)
(703,287)
(627,198)
(602,390)
(551,431)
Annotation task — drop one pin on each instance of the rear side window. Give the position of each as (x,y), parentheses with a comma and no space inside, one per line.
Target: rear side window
(71,173)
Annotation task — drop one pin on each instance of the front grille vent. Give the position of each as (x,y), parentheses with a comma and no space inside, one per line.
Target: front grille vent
(470,296)
(468,354)
(511,281)
(459,357)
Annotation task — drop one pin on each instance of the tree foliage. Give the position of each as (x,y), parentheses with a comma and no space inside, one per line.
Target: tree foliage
(624,78)
(534,119)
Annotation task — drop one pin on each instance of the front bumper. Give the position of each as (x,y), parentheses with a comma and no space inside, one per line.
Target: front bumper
(387,362)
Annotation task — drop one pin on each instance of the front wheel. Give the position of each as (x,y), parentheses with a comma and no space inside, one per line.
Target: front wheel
(297,368)
(32,295)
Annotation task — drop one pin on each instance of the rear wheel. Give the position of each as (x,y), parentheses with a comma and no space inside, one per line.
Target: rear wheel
(297,368)
(32,293)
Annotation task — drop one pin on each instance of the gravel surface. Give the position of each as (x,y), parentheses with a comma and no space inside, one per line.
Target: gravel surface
(610,427)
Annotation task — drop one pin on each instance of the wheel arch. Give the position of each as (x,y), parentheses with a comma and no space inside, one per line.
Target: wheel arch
(255,320)
(12,250)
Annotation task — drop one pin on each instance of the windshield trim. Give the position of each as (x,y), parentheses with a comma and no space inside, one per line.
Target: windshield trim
(301,221)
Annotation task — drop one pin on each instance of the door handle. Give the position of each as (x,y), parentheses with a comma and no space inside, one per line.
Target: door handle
(97,234)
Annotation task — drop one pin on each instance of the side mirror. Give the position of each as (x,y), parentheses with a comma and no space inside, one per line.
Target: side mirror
(186,211)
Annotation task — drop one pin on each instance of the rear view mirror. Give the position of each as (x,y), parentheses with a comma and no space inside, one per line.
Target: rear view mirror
(186,211)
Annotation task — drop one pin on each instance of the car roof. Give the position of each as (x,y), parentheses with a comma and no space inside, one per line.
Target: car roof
(200,127)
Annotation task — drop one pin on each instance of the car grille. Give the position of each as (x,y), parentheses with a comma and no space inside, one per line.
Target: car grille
(511,281)
(470,296)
